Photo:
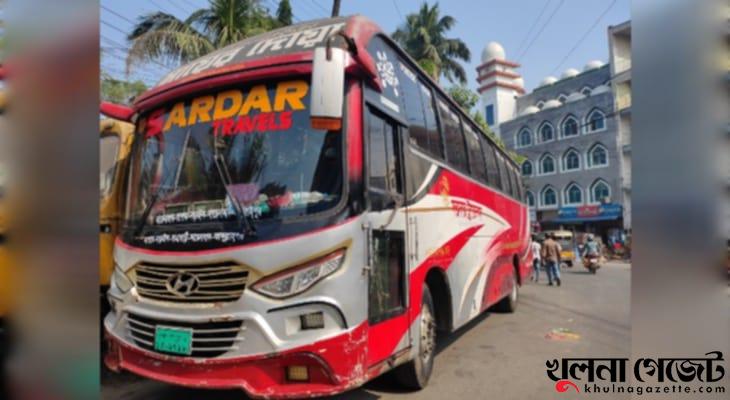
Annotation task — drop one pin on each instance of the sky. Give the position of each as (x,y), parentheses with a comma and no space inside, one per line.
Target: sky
(545,36)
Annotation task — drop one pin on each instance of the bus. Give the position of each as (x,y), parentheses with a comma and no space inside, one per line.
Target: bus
(115,142)
(306,210)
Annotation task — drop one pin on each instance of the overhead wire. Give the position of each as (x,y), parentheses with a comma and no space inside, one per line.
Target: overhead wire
(585,35)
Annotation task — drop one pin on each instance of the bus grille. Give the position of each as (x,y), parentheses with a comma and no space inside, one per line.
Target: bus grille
(220,282)
(210,339)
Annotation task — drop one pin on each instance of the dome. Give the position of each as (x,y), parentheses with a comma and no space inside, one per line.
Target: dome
(552,103)
(493,50)
(569,73)
(529,110)
(548,81)
(574,97)
(520,82)
(593,64)
(600,89)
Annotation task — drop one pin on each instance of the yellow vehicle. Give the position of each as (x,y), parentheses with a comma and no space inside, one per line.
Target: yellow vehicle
(4,263)
(3,173)
(566,239)
(115,143)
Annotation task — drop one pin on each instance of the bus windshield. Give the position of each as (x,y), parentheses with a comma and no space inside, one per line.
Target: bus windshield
(243,154)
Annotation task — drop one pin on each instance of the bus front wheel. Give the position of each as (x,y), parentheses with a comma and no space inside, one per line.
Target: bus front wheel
(416,373)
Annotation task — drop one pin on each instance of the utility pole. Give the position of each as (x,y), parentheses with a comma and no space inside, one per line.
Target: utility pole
(336,8)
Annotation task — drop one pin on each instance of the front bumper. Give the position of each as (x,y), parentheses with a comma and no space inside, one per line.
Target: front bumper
(335,365)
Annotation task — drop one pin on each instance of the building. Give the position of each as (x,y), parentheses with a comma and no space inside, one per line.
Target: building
(568,131)
(499,85)
(619,53)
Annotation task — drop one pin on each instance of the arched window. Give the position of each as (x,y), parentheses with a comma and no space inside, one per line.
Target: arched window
(562,98)
(548,197)
(540,104)
(547,164)
(597,156)
(573,195)
(595,121)
(527,168)
(586,91)
(571,160)
(530,199)
(570,126)
(546,132)
(524,138)
(600,191)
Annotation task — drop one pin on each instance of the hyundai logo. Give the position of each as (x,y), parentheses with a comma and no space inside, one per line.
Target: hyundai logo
(182,284)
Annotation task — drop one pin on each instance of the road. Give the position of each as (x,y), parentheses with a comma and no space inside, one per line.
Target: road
(499,356)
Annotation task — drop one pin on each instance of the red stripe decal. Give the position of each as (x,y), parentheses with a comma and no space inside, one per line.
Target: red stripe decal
(391,331)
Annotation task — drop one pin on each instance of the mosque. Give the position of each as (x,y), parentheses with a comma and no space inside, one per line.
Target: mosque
(569,130)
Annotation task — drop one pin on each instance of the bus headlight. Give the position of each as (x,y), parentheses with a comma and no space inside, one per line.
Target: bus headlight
(300,278)
(121,280)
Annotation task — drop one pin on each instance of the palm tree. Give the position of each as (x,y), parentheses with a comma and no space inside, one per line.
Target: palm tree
(423,35)
(284,13)
(163,37)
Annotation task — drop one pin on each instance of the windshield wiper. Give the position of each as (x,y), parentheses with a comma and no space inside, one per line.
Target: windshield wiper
(153,200)
(221,167)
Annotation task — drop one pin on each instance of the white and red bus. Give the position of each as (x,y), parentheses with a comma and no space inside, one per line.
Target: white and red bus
(305,210)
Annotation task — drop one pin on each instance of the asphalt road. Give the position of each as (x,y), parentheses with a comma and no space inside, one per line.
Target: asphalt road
(498,356)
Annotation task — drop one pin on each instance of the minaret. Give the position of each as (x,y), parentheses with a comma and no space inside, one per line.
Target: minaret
(499,85)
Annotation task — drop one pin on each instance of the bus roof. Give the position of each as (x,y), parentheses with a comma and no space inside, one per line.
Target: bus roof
(295,43)
(286,41)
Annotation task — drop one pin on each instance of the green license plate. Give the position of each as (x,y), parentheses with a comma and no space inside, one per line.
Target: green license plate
(174,340)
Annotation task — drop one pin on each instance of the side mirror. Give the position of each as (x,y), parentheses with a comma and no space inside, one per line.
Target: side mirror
(328,88)
(117,111)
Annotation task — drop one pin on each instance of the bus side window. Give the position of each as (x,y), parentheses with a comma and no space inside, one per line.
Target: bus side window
(476,158)
(418,104)
(519,184)
(491,162)
(513,181)
(503,174)
(383,168)
(453,137)
(432,129)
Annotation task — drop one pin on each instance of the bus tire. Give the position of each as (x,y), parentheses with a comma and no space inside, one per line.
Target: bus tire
(509,303)
(415,373)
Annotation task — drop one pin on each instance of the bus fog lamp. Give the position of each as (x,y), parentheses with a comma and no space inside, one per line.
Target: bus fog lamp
(313,320)
(297,373)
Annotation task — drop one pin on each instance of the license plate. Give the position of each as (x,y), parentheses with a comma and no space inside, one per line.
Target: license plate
(174,340)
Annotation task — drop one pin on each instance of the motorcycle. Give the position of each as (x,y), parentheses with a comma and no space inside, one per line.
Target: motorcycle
(592,263)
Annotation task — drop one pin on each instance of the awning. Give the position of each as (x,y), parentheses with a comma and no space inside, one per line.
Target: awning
(588,213)
(578,220)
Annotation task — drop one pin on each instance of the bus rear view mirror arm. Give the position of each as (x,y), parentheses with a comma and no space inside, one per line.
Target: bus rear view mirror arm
(117,111)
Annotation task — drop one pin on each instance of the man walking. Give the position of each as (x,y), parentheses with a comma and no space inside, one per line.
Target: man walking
(536,261)
(551,257)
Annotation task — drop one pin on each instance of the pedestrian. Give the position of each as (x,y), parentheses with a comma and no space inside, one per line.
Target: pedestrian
(536,261)
(551,257)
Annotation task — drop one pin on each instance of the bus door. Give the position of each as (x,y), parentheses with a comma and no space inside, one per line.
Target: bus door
(389,335)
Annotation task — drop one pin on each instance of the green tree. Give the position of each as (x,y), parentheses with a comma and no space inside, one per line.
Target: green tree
(423,36)
(119,91)
(466,98)
(163,37)
(284,13)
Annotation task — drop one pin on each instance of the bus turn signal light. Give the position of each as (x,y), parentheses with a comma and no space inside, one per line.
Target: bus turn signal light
(329,124)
